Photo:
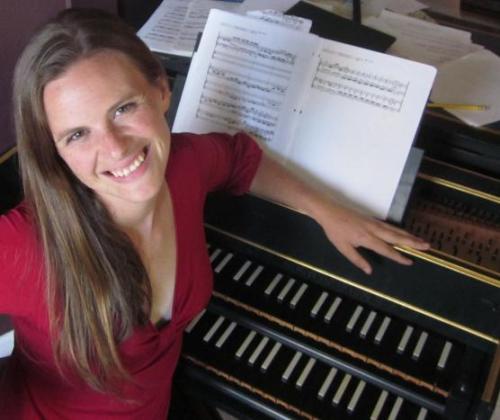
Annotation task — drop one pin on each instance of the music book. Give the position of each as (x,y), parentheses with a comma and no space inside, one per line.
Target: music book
(341,116)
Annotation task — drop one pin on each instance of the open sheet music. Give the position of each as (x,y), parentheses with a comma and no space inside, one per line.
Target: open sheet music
(174,26)
(341,115)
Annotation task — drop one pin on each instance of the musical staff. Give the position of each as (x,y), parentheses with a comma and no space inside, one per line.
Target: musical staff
(242,47)
(257,100)
(245,85)
(372,89)
(240,109)
(233,79)
(248,125)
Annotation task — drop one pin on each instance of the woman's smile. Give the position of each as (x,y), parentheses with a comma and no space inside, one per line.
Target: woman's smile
(132,171)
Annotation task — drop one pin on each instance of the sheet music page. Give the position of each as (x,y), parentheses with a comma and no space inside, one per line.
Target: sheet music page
(246,76)
(174,26)
(473,79)
(359,122)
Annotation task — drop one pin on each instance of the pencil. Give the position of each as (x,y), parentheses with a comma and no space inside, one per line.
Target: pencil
(465,107)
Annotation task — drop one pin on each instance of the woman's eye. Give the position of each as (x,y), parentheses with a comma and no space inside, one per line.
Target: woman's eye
(130,106)
(77,135)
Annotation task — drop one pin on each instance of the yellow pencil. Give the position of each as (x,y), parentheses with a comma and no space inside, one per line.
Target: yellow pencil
(465,107)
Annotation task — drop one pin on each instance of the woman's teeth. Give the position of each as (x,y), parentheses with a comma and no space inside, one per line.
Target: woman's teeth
(133,166)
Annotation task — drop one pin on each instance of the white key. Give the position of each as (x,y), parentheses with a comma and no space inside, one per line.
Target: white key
(395,409)
(215,254)
(379,406)
(242,270)
(220,342)
(319,303)
(270,357)
(422,414)
(333,308)
(195,320)
(256,353)
(285,290)
(213,329)
(340,391)
(445,353)
(291,366)
(273,284)
(223,263)
(327,382)
(298,295)
(381,330)
(404,339)
(305,373)
(354,318)
(367,325)
(254,275)
(245,344)
(417,351)
(355,397)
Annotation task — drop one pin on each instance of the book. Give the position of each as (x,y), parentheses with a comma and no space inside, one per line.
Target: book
(340,116)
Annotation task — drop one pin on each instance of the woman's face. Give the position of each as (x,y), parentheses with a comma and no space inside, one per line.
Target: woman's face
(107,121)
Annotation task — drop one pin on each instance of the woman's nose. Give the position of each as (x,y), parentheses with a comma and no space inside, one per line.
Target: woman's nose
(114,143)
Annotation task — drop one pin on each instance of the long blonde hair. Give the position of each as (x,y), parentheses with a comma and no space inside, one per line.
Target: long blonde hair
(97,287)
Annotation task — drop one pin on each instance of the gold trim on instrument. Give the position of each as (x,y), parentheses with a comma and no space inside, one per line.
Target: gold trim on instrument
(477,267)
(440,162)
(450,266)
(248,387)
(462,188)
(358,286)
(7,154)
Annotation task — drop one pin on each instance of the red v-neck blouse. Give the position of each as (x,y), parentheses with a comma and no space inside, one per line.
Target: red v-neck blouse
(33,388)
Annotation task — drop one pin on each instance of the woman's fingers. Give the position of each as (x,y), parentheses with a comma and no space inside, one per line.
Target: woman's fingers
(383,248)
(396,236)
(355,258)
(351,231)
(374,243)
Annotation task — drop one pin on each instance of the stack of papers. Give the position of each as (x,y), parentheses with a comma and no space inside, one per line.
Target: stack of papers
(174,26)
(473,79)
(467,73)
(374,7)
(422,41)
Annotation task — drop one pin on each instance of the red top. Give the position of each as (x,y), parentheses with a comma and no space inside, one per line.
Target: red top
(34,389)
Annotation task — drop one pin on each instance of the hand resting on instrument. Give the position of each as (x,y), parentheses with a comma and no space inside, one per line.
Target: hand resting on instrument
(345,228)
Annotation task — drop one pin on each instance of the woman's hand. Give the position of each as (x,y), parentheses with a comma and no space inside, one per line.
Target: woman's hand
(345,228)
(349,230)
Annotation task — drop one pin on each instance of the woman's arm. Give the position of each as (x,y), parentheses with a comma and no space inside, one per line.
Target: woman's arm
(345,228)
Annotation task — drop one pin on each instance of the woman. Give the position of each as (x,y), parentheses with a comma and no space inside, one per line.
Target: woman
(105,262)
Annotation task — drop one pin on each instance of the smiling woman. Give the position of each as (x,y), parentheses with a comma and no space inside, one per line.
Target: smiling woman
(111,132)
(105,262)
(111,226)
